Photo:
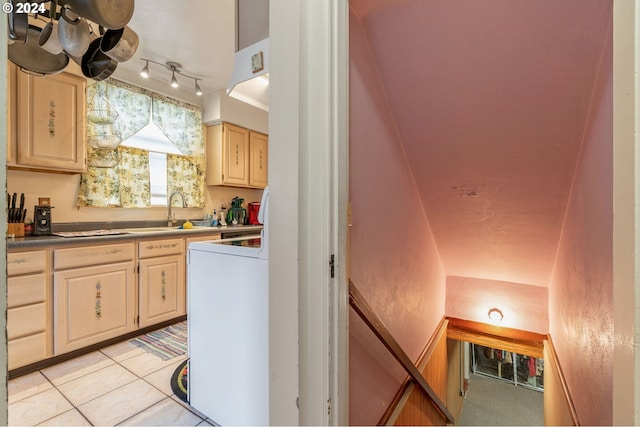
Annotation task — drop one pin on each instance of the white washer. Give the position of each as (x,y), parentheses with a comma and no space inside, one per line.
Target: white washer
(228,321)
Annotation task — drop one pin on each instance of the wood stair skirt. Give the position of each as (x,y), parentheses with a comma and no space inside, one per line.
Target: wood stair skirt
(440,364)
(411,406)
(430,399)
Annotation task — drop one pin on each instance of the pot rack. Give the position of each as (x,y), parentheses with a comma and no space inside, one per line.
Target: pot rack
(26,53)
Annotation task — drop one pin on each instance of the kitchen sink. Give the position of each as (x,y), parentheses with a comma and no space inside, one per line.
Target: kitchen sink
(142,230)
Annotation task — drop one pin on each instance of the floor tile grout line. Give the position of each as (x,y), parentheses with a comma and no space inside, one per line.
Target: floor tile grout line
(72,409)
(26,397)
(96,397)
(184,404)
(137,376)
(142,410)
(68,381)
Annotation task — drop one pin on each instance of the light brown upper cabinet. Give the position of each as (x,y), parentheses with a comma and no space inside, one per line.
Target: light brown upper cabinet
(47,122)
(258,157)
(236,156)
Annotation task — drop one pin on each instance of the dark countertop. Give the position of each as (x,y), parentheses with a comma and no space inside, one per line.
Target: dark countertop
(45,241)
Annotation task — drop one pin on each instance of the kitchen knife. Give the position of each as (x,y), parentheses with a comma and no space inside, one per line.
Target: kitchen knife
(20,212)
(12,213)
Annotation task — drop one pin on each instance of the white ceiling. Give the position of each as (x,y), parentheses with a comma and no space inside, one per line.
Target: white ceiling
(200,35)
(491,100)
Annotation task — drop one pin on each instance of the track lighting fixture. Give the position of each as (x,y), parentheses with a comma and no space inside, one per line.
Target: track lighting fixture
(175,68)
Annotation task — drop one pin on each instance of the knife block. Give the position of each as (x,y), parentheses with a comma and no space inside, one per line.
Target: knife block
(15,228)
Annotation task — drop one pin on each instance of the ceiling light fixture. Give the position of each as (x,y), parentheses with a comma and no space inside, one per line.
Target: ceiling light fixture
(495,315)
(175,68)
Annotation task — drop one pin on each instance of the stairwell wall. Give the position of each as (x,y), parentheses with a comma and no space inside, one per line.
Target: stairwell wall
(581,289)
(394,261)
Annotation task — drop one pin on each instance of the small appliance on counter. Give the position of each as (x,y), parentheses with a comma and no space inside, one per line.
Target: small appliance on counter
(254,208)
(42,220)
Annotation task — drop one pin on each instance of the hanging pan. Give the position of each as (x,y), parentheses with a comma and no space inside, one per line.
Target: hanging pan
(112,14)
(34,60)
(95,64)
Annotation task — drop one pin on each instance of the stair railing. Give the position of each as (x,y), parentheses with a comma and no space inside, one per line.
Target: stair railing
(366,313)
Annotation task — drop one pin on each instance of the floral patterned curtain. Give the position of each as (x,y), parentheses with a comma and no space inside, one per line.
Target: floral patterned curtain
(131,104)
(127,184)
(182,125)
(124,185)
(184,176)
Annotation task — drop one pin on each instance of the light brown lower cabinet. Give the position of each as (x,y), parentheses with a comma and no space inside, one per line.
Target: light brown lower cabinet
(93,304)
(161,280)
(66,298)
(94,296)
(29,329)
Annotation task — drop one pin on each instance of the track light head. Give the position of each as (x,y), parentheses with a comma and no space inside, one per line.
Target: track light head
(198,89)
(174,81)
(145,70)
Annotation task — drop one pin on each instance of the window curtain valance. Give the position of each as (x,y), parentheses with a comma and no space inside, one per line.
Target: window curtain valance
(127,183)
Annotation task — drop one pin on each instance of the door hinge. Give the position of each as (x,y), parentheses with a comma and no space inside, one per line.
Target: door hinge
(332,265)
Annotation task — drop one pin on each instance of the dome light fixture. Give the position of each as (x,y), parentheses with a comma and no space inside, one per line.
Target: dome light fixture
(495,315)
(175,68)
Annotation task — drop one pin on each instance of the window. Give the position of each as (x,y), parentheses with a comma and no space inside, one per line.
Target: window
(150,138)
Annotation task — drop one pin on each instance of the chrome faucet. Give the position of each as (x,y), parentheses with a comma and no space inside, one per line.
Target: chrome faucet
(171,217)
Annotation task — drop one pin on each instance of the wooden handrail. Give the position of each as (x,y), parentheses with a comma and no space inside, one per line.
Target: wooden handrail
(366,313)
(562,379)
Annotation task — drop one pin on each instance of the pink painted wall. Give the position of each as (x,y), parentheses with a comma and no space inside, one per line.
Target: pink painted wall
(524,306)
(393,256)
(581,288)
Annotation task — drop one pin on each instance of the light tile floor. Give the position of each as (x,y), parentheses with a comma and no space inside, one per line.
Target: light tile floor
(117,385)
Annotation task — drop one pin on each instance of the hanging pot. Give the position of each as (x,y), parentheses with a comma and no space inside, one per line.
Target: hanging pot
(48,39)
(18,25)
(111,14)
(120,44)
(95,64)
(74,33)
(34,60)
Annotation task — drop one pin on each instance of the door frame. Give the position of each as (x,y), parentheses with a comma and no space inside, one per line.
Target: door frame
(308,147)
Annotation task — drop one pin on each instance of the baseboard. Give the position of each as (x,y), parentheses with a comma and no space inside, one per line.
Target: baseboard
(36,366)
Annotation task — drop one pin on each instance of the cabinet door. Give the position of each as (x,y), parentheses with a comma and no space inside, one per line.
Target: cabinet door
(93,304)
(259,158)
(235,155)
(12,108)
(162,289)
(51,122)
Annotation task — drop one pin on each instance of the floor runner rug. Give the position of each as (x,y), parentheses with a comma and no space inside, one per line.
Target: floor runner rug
(165,343)
(179,381)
